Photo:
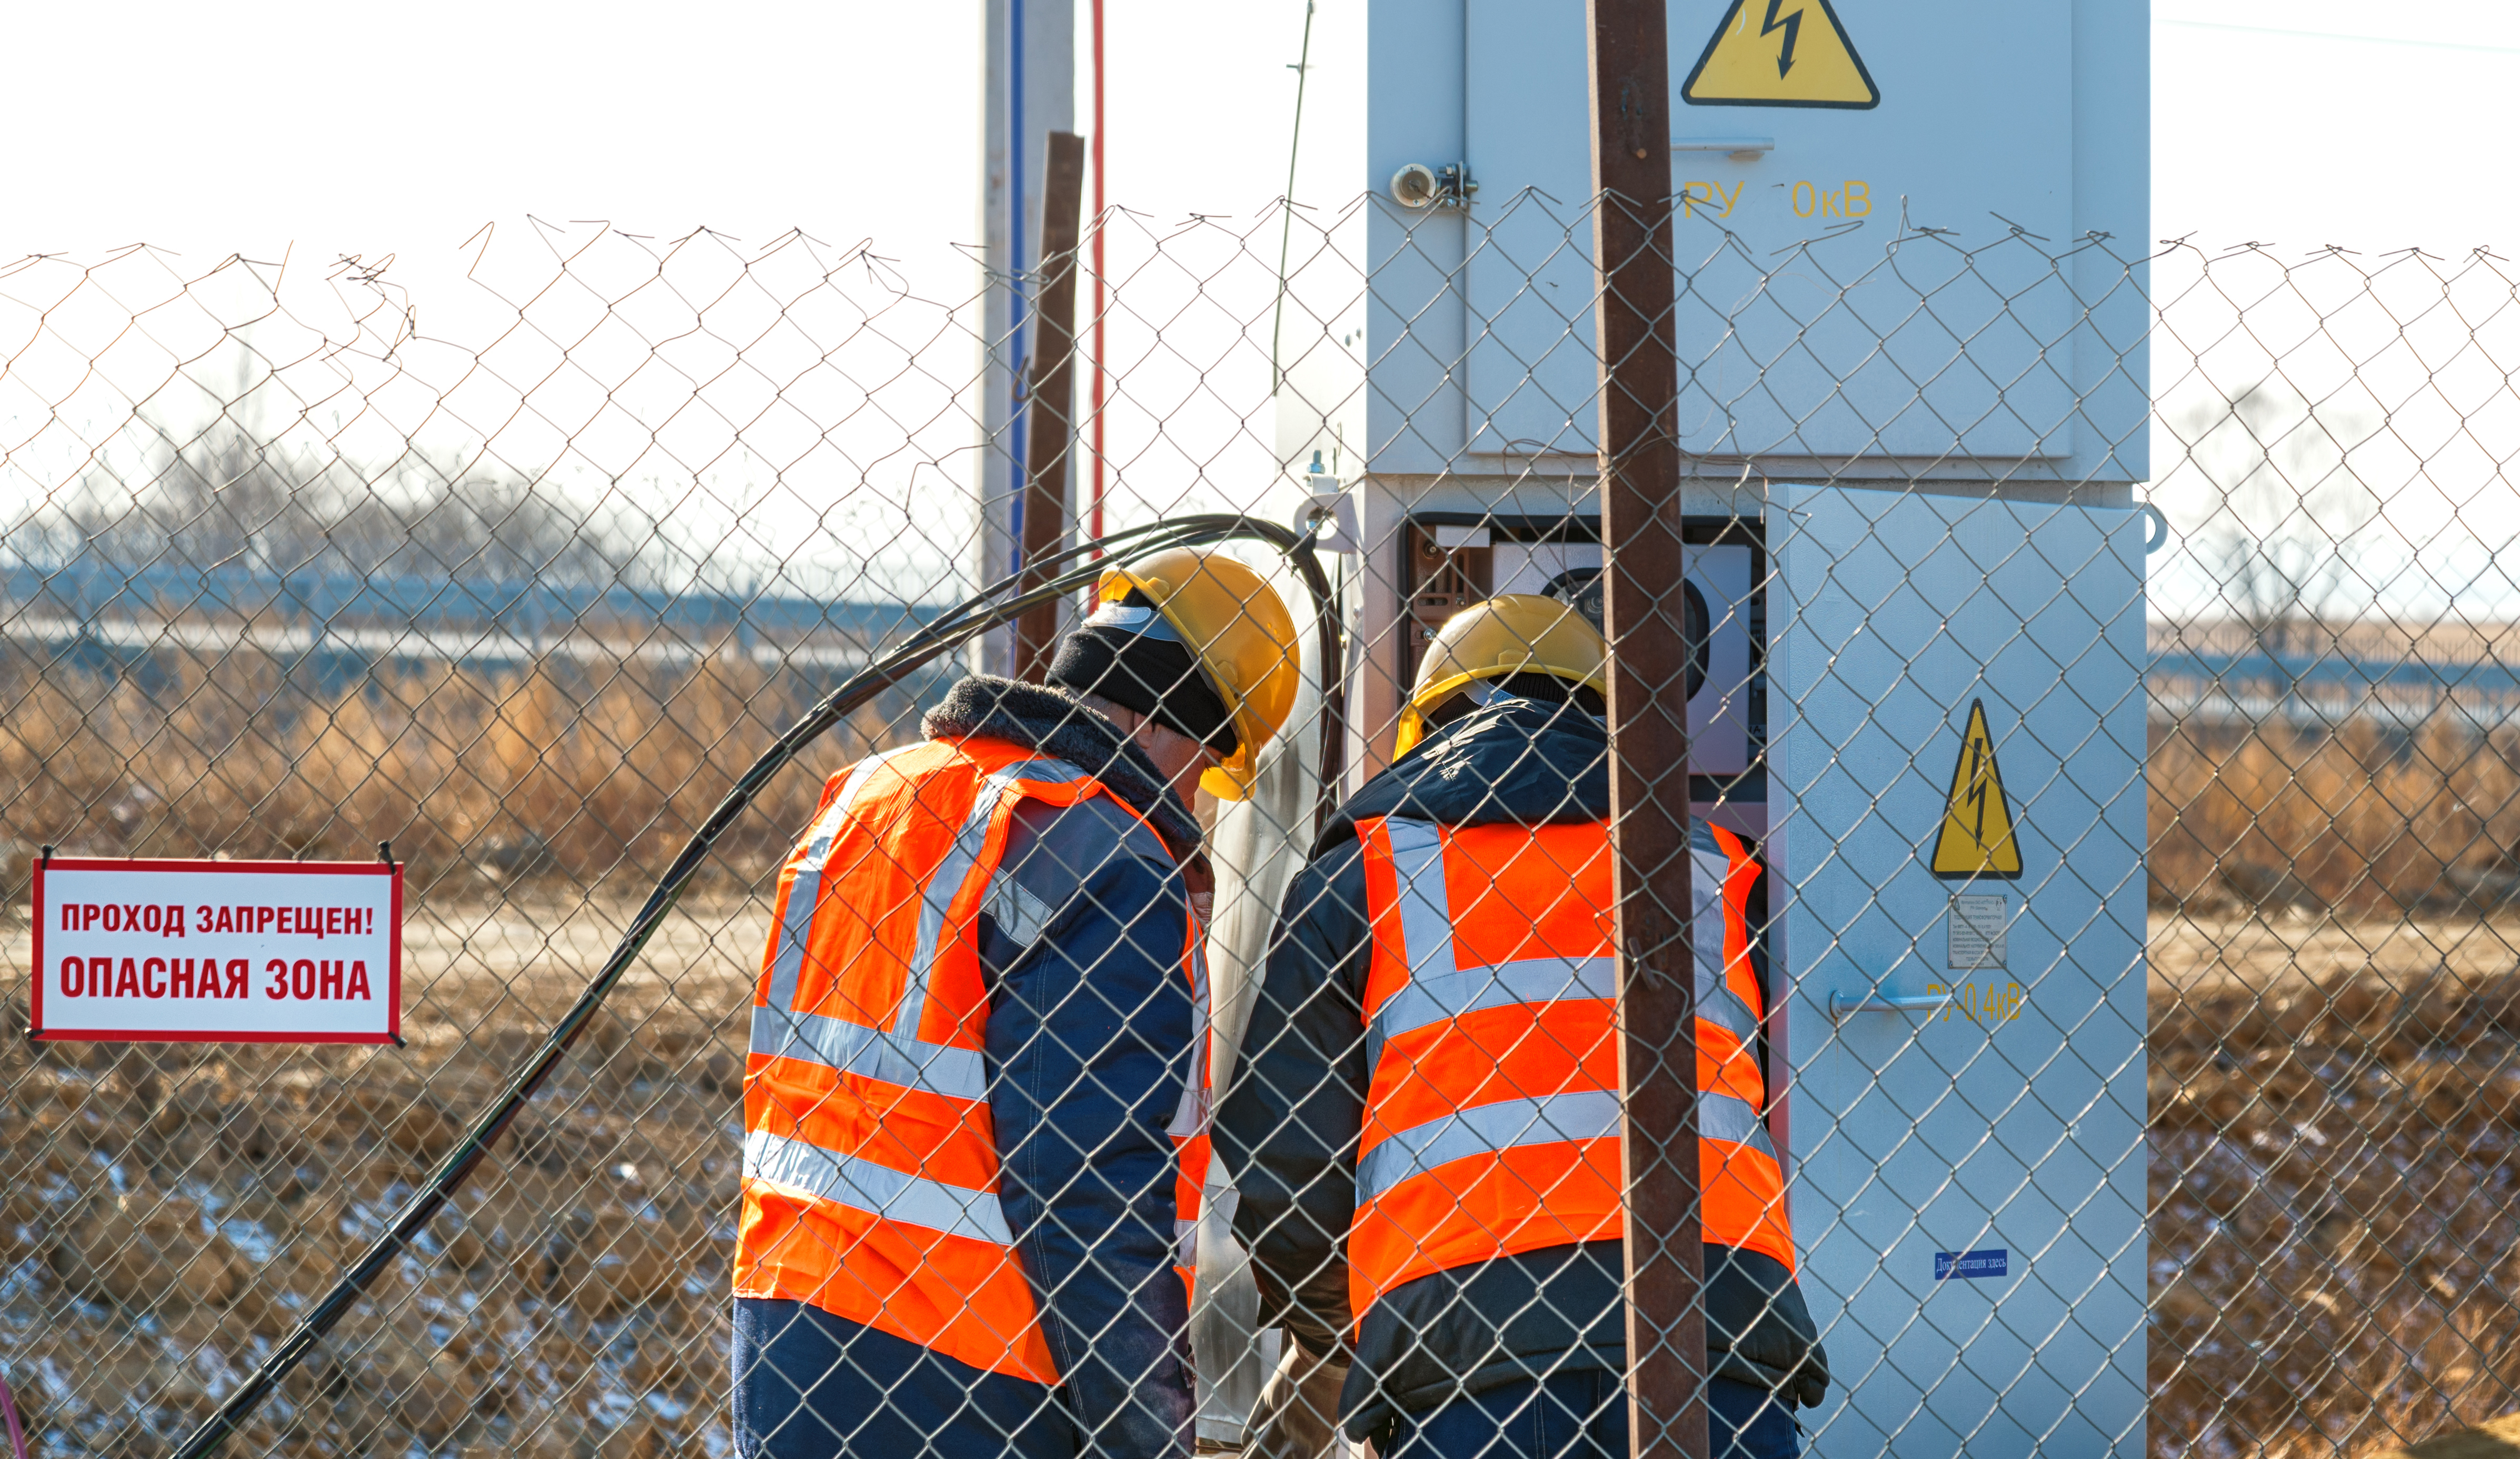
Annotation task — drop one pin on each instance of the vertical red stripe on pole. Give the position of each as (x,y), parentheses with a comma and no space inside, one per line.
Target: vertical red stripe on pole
(8,1412)
(1094,403)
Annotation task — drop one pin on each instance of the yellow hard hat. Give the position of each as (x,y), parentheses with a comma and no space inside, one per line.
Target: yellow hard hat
(1511,633)
(1242,635)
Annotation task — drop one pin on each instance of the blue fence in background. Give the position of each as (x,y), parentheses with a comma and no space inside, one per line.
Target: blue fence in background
(330,630)
(2317,692)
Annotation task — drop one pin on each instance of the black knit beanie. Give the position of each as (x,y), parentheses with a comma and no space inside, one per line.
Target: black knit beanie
(1129,653)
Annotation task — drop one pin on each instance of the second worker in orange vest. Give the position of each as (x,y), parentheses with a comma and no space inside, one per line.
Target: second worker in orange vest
(976,1110)
(1425,1125)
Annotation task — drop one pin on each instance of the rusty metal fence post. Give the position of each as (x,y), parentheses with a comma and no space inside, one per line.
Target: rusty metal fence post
(1050,431)
(1639,467)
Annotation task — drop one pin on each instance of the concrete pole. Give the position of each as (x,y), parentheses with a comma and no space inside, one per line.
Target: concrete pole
(1027,91)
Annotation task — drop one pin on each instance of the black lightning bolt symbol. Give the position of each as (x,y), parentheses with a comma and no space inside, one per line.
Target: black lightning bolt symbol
(1976,797)
(1793,26)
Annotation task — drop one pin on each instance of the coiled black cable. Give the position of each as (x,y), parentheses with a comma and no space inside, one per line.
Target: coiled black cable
(1045,580)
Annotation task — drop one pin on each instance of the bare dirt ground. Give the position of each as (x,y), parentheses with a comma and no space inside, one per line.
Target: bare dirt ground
(2333,1109)
(167,1210)
(2215,955)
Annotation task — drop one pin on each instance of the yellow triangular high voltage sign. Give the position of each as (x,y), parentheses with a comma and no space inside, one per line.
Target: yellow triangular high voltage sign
(1976,839)
(1781,53)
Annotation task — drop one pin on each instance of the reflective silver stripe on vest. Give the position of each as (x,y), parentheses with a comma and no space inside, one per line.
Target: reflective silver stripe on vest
(1438,988)
(1425,916)
(805,892)
(1717,1003)
(1020,915)
(808,1169)
(1721,1117)
(1425,913)
(1427,946)
(1438,994)
(871,1052)
(1487,1129)
(896,1056)
(936,899)
(1432,997)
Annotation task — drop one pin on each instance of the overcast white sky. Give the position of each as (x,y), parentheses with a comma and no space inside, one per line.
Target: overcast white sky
(318,131)
(399,129)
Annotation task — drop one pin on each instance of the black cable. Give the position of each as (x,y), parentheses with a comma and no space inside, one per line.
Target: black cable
(999,602)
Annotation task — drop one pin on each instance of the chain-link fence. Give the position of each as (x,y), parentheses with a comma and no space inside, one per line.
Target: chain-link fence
(2104,826)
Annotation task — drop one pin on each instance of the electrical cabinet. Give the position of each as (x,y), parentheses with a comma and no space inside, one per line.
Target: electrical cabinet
(1964,1118)
(1449,561)
(1934,273)
(1914,281)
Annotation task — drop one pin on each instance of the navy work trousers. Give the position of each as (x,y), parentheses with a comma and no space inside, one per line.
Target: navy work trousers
(812,1385)
(1585,1416)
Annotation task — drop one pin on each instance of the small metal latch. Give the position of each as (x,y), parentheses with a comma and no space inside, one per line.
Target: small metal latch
(1739,149)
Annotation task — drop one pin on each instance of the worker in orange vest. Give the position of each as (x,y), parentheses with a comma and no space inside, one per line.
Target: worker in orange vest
(975,1108)
(1424,1125)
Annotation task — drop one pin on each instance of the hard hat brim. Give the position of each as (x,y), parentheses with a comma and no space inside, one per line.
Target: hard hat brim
(1231,781)
(1497,638)
(1412,714)
(1199,595)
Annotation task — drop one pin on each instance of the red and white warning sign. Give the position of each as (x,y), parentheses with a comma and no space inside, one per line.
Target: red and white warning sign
(218,951)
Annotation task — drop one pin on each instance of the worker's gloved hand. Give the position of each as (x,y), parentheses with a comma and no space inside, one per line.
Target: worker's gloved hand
(1298,1413)
(1200,876)
(1811,1381)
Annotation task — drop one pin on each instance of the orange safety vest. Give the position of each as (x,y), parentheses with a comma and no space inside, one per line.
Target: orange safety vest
(870,1168)
(1492,1113)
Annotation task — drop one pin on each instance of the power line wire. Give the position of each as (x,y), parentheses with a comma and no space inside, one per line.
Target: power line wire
(1286,225)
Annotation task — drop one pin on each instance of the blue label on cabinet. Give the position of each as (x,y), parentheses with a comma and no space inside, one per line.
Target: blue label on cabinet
(1995,1261)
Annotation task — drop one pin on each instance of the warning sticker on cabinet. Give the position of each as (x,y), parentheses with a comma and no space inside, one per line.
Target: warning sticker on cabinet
(1781,53)
(1994,1261)
(1977,831)
(1977,930)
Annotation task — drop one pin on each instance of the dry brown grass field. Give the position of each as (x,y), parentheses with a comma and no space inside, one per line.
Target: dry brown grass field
(589,773)
(165,1212)
(2335,1097)
(2357,821)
